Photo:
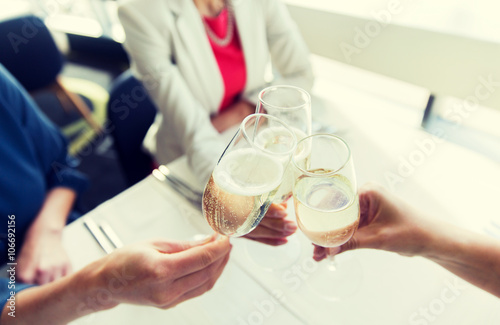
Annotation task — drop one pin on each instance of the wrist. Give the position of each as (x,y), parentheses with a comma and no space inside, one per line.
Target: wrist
(41,231)
(442,245)
(49,223)
(91,289)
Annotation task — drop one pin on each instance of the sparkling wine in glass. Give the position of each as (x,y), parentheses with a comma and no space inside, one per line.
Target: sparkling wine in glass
(248,174)
(326,202)
(292,105)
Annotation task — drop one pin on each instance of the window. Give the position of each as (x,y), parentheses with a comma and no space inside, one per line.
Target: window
(470,18)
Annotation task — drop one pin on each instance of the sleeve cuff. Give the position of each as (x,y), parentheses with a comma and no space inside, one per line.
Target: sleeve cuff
(6,288)
(65,176)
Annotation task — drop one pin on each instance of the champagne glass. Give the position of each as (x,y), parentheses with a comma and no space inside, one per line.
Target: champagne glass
(326,203)
(247,176)
(292,105)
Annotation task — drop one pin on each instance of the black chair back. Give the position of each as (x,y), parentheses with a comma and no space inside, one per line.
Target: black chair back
(130,113)
(29,52)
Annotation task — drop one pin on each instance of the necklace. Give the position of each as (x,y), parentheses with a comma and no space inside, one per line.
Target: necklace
(230,28)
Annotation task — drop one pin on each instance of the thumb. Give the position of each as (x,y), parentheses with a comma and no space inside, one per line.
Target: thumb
(362,238)
(169,246)
(276,211)
(352,244)
(356,241)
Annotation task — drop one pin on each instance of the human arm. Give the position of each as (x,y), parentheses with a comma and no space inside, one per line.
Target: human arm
(167,56)
(274,228)
(159,273)
(389,223)
(54,188)
(42,258)
(233,115)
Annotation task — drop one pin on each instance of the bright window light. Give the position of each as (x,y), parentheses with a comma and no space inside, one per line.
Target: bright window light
(75,25)
(470,18)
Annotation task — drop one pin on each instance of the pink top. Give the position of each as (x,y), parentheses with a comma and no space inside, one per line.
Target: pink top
(230,59)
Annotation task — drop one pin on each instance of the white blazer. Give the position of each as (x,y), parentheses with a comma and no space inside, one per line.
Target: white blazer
(171,54)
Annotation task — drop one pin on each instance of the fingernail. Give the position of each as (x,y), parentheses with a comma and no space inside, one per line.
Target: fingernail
(318,256)
(280,207)
(279,213)
(200,238)
(281,241)
(290,227)
(203,239)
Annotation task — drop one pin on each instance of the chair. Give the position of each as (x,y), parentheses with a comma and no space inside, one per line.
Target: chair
(130,113)
(31,55)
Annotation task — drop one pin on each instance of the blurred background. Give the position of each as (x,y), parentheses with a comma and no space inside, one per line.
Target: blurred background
(439,58)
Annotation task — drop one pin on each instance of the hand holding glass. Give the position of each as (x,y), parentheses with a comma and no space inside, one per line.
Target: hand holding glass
(248,174)
(325,197)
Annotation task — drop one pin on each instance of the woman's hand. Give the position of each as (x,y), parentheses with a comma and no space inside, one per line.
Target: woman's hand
(390,224)
(160,273)
(42,258)
(274,228)
(387,223)
(233,115)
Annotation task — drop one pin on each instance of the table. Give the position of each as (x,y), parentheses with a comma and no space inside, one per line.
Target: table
(445,180)
(143,212)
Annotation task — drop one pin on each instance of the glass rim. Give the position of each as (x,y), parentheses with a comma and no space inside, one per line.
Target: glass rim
(242,128)
(309,174)
(293,108)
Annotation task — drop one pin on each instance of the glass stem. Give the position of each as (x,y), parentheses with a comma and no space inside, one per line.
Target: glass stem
(331,263)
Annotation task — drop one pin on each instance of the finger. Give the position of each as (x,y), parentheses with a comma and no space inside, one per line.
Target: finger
(286,227)
(198,291)
(26,274)
(332,251)
(369,203)
(199,257)
(68,269)
(264,232)
(43,276)
(56,273)
(27,277)
(276,211)
(170,246)
(194,284)
(363,238)
(198,278)
(270,241)
(203,286)
(319,253)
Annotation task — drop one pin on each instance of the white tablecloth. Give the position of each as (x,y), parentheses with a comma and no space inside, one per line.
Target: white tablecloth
(444,180)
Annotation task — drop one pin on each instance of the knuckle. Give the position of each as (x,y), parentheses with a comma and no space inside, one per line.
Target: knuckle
(350,245)
(167,306)
(290,227)
(211,284)
(206,276)
(42,271)
(23,277)
(159,299)
(155,270)
(371,189)
(207,258)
